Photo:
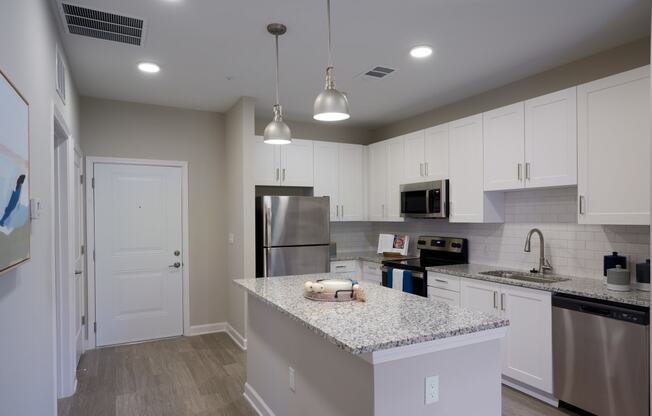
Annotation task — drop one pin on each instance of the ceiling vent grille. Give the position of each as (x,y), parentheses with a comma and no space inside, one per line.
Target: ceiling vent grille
(102,25)
(379,72)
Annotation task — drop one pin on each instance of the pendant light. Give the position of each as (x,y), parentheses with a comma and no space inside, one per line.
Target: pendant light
(330,105)
(277,132)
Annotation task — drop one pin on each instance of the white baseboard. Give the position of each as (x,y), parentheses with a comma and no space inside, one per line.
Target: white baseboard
(220,327)
(236,337)
(531,391)
(207,328)
(256,401)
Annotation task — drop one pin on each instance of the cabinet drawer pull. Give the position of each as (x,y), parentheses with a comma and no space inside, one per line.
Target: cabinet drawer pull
(441,281)
(340,267)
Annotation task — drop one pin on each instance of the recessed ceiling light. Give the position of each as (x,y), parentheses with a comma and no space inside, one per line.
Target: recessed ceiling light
(421,51)
(149,67)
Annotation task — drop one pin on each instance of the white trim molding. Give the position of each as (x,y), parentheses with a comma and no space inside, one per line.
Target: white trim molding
(204,329)
(256,401)
(531,391)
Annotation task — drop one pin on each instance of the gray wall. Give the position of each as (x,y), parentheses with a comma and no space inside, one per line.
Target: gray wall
(321,131)
(27,308)
(120,129)
(622,58)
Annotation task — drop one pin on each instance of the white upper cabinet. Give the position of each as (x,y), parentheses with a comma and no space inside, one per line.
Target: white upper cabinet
(327,177)
(267,163)
(283,165)
(436,152)
(339,174)
(297,163)
(377,183)
(386,169)
(426,154)
(504,147)
(415,159)
(614,149)
(395,177)
(352,182)
(468,201)
(551,140)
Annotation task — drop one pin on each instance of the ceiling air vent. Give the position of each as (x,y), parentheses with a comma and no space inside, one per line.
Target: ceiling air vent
(379,72)
(102,25)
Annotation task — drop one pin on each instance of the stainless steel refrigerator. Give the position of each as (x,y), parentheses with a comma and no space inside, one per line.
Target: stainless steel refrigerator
(292,235)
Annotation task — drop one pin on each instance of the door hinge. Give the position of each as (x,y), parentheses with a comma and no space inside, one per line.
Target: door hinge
(83,320)
(93,182)
(94,326)
(82,249)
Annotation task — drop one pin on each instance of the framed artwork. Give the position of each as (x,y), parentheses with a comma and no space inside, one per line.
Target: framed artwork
(14,177)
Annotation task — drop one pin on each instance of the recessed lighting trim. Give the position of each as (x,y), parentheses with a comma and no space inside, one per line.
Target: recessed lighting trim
(421,51)
(149,67)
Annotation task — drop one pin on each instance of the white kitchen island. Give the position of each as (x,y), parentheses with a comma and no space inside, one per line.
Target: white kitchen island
(368,358)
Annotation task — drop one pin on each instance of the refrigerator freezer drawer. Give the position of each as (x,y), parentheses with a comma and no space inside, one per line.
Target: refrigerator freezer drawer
(287,261)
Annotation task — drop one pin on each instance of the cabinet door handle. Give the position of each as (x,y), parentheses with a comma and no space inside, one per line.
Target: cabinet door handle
(342,211)
(277,174)
(495,300)
(527,171)
(421,169)
(520,171)
(502,302)
(338,210)
(581,203)
(283,174)
(382,209)
(426,168)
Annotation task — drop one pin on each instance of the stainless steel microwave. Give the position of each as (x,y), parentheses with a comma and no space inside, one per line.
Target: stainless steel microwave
(425,199)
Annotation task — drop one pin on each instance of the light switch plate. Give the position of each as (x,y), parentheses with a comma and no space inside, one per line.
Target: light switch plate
(35,208)
(432,389)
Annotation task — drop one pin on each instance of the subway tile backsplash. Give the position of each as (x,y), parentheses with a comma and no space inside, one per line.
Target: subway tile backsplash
(573,249)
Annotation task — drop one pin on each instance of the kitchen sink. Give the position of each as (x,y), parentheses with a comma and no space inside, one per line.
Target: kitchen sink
(526,277)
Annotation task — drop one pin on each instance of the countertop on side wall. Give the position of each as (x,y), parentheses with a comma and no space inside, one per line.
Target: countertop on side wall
(388,319)
(370,256)
(580,286)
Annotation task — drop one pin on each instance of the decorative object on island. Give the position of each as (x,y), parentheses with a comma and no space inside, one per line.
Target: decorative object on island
(614,260)
(331,105)
(618,279)
(643,276)
(14,177)
(334,290)
(277,132)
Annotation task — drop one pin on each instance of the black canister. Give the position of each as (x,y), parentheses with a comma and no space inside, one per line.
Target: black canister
(643,272)
(610,262)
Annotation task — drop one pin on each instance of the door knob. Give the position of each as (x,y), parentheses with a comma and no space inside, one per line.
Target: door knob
(176,265)
(177,253)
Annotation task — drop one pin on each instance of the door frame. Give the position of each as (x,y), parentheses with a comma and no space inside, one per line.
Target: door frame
(63,222)
(91,161)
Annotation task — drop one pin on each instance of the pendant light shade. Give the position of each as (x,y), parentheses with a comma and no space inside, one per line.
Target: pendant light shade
(277,132)
(330,105)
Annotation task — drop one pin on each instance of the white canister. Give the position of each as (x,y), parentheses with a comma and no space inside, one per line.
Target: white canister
(618,279)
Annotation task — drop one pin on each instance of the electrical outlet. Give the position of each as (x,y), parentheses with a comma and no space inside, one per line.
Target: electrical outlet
(432,389)
(291,378)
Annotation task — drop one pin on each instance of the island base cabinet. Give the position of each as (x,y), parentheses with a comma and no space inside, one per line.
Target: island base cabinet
(527,348)
(328,380)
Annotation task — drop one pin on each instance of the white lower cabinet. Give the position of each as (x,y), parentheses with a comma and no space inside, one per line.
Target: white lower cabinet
(372,272)
(346,269)
(527,348)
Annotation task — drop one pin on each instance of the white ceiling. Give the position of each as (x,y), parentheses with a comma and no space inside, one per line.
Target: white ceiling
(213,51)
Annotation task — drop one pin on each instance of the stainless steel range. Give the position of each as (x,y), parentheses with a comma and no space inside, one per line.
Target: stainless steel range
(433,251)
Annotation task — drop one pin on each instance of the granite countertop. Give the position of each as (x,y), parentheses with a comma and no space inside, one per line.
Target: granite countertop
(580,286)
(388,319)
(371,256)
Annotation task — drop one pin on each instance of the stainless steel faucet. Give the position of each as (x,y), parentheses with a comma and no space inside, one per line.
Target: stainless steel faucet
(544,264)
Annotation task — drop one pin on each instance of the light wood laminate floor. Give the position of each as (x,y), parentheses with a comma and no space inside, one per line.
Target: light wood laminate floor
(190,376)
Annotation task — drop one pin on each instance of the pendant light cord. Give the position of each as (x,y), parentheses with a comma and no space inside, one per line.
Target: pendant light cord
(277,99)
(330,47)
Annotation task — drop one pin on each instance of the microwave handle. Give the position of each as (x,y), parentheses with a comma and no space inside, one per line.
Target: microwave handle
(428,210)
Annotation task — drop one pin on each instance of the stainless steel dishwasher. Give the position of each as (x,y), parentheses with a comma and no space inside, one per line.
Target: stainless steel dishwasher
(601,356)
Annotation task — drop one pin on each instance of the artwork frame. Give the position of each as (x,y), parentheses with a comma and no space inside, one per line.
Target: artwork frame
(15,175)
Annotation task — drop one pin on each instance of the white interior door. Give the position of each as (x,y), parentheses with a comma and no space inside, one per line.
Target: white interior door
(79,304)
(138,252)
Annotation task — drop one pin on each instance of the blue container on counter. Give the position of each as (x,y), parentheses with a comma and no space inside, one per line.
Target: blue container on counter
(610,262)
